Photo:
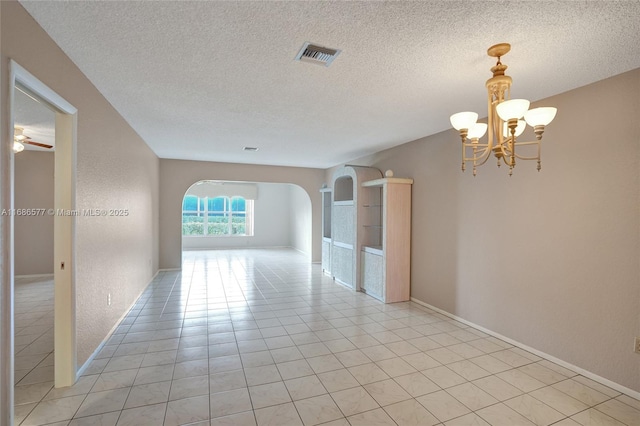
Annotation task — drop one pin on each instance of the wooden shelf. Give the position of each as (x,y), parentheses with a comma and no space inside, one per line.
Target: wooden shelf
(373,250)
(386,260)
(382,181)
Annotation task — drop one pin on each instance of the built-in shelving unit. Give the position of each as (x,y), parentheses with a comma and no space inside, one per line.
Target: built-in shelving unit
(366,230)
(326,230)
(386,250)
(346,215)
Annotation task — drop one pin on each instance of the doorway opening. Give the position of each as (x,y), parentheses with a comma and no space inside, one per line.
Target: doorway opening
(232,215)
(64,140)
(34,151)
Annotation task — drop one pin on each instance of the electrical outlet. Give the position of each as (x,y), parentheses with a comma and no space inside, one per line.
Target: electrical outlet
(636,347)
(109,299)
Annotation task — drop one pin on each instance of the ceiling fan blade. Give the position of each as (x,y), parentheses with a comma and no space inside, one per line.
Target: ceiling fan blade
(40,144)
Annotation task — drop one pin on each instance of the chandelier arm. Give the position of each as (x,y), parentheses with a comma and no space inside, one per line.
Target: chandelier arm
(505,147)
(526,158)
(527,143)
(484,147)
(539,166)
(506,151)
(486,155)
(522,157)
(482,157)
(471,145)
(463,138)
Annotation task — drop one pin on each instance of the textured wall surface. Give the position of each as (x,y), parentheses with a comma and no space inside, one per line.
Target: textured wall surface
(33,234)
(115,170)
(176,176)
(550,259)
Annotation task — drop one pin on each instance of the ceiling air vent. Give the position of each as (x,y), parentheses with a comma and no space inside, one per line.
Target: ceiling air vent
(317,54)
(250,148)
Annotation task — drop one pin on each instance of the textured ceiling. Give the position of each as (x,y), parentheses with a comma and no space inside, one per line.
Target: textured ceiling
(201,80)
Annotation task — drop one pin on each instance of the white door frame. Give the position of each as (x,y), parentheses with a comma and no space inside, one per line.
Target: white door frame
(64,236)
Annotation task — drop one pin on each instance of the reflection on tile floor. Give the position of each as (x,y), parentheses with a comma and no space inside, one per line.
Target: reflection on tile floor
(33,330)
(248,337)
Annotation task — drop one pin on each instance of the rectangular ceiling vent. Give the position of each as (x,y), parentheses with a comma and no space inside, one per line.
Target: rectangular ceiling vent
(317,54)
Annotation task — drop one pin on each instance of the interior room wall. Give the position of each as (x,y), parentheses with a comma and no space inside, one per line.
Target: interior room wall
(300,223)
(549,259)
(33,235)
(271,223)
(115,170)
(176,176)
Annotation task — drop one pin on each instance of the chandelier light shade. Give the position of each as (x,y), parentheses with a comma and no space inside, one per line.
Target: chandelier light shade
(515,108)
(18,138)
(520,128)
(504,122)
(463,120)
(540,116)
(477,131)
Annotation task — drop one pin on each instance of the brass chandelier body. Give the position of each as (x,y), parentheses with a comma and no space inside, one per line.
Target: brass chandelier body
(504,122)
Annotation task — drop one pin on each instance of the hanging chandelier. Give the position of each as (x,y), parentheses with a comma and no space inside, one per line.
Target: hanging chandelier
(504,122)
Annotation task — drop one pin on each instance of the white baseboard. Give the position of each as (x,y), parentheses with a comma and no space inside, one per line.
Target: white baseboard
(235,248)
(168,270)
(86,364)
(632,393)
(304,253)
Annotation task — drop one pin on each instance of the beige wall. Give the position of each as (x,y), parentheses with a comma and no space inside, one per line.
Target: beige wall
(550,259)
(176,176)
(115,169)
(301,218)
(33,248)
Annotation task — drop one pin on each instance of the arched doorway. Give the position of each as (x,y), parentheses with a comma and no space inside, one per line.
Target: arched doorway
(231,214)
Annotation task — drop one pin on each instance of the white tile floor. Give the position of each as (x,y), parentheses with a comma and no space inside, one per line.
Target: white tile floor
(250,337)
(33,329)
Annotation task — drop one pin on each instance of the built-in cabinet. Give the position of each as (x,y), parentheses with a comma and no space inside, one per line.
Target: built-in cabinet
(386,250)
(366,230)
(326,230)
(346,215)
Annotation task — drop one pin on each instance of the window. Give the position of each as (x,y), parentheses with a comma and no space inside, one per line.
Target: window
(219,216)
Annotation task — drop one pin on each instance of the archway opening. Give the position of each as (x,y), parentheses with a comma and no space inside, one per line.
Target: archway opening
(230,215)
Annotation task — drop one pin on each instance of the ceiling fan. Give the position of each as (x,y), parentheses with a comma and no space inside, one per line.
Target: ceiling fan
(20,139)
